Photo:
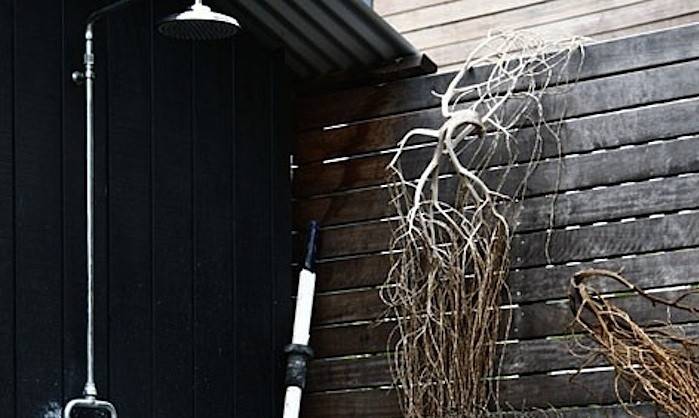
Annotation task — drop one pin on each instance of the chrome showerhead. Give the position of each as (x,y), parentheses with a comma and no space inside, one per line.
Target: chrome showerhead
(198,23)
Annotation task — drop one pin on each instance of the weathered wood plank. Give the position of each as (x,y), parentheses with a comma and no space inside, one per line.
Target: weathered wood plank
(526,392)
(610,203)
(588,206)
(529,321)
(537,15)
(653,26)
(440,14)
(389,7)
(366,304)
(647,271)
(372,271)
(382,134)
(601,59)
(589,171)
(617,33)
(565,245)
(608,130)
(606,16)
(524,357)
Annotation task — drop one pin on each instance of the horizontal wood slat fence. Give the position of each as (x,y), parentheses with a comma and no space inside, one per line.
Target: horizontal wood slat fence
(626,192)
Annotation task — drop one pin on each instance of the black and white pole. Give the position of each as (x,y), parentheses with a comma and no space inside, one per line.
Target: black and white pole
(298,351)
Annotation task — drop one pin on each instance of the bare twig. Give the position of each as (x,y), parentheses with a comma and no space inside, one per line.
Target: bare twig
(656,364)
(452,244)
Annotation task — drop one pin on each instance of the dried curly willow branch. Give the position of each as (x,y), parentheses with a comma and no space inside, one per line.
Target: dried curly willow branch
(451,242)
(654,363)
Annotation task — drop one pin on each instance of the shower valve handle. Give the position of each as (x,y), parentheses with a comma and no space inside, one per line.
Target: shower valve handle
(78,77)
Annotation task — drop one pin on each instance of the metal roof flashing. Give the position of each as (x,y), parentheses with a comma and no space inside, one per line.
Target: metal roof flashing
(336,39)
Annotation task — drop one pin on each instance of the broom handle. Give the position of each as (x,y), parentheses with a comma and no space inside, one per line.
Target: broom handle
(304,296)
(299,351)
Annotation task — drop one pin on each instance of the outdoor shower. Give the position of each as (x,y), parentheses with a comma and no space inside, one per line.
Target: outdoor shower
(196,23)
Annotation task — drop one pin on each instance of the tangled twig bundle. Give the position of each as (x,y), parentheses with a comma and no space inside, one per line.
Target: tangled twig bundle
(451,241)
(655,364)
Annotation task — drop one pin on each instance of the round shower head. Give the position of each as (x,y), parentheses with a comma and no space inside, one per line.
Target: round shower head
(198,23)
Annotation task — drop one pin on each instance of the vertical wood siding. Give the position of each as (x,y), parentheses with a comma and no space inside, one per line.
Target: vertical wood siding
(192,216)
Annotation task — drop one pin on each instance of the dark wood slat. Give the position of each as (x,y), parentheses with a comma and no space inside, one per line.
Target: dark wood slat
(366,337)
(526,392)
(365,305)
(647,235)
(661,159)
(281,223)
(535,320)
(255,367)
(7,218)
(525,357)
(592,205)
(130,232)
(657,159)
(38,211)
(647,271)
(577,208)
(578,135)
(610,203)
(528,250)
(173,264)
(600,59)
(530,285)
(213,230)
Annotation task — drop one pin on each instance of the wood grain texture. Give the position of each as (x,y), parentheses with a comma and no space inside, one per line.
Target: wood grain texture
(256,372)
(213,300)
(535,320)
(367,305)
(130,218)
(383,134)
(660,159)
(601,59)
(388,7)
(537,17)
(372,270)
(525,392)
(38,214)
(608,130)
(634,15)
(564,245)
(455,11)
(7,210)
(173,218)
(280,222)
(535,356)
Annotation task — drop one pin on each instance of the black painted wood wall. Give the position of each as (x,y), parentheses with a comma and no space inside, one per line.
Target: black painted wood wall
(192,216)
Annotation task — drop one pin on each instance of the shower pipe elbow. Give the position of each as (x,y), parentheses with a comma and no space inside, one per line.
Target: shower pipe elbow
(89,403)
(100,13)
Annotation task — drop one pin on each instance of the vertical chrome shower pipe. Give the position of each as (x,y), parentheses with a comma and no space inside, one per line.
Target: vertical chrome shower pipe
(89,60)
(89,400)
